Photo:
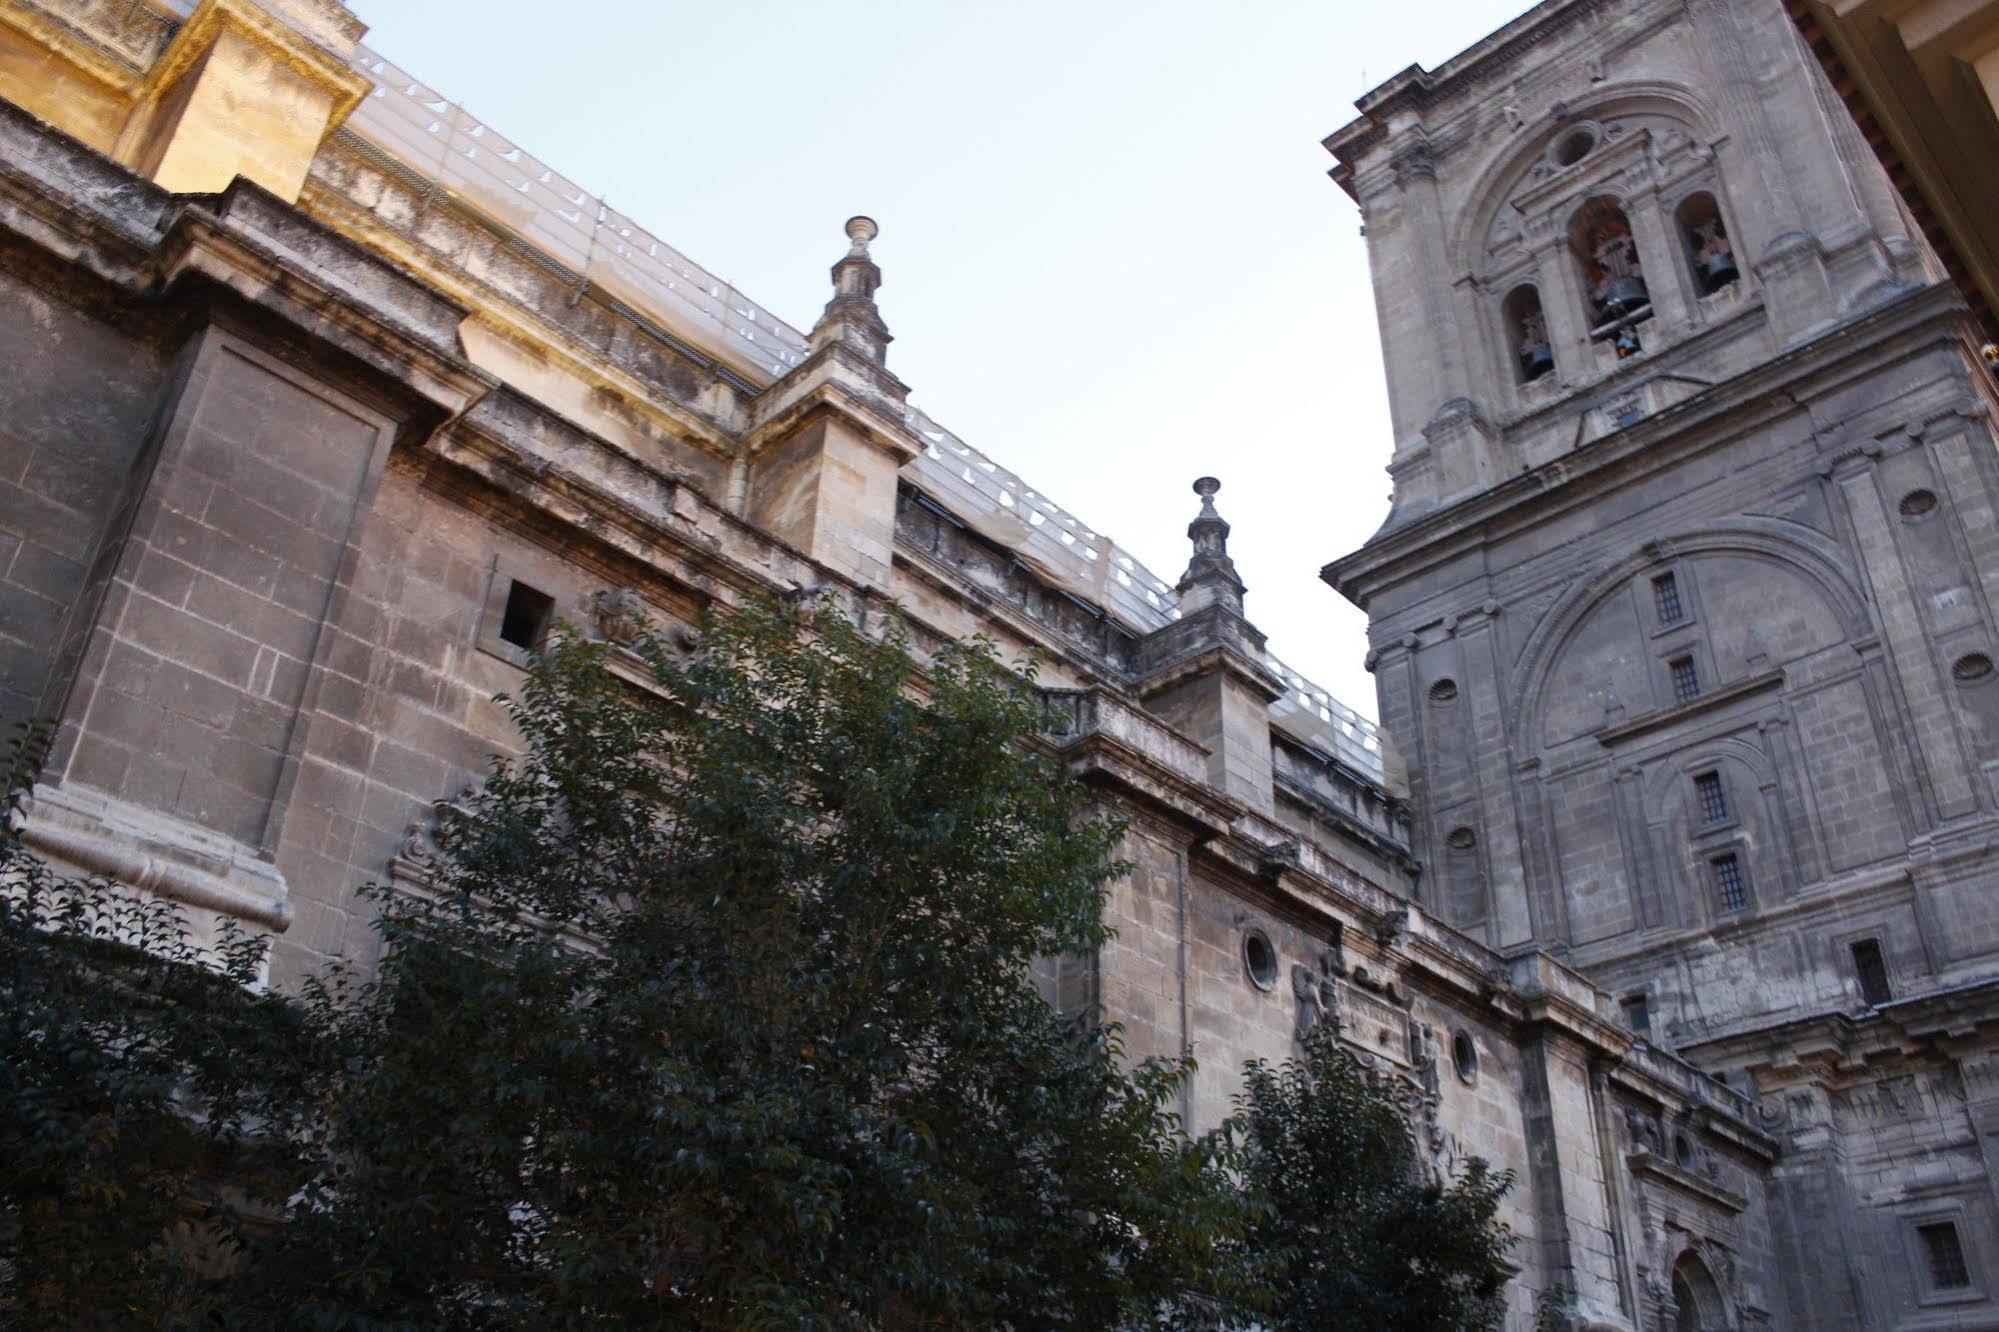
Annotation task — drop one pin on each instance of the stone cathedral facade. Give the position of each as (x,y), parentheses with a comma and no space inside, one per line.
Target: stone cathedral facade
(1668,882)
(1684,610)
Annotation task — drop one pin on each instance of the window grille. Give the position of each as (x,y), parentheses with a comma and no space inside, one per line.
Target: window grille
(1686,679)
(1731,893)
(1666,598)
(1872,970)
(1714,800)
(1948,1270)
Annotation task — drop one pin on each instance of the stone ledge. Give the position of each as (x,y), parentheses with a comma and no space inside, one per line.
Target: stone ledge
(154,852)
(1652,721)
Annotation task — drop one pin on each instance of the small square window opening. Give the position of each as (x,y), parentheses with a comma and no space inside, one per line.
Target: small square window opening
(1637,1014)
(526,619)
(1714,800)
(1871,968)
(1686,679)
(1945,1252)
(1666,599)
(1731,893)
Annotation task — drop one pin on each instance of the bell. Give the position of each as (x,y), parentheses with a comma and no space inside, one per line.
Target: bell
(1625,295)
(1718,270)
(1536,359)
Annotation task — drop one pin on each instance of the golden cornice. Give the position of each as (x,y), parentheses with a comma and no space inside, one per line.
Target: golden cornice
(274,37)
(91,59)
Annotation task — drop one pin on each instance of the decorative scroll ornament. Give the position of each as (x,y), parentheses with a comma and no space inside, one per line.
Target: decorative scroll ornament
(619,614)
(422,848)
(1416,1093)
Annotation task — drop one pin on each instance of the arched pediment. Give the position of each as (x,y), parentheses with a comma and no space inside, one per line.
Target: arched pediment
(1666,110)
(1666,782)
(1774,588)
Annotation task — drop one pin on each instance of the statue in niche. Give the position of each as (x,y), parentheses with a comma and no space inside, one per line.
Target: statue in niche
(1714,256)
(418,854)
(1644,1132)
(1537,355)
(1317,991)
(418,847)
(1423,1055)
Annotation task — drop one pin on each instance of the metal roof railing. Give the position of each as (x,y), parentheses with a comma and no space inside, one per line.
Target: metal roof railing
(1056,542)
(1315,716)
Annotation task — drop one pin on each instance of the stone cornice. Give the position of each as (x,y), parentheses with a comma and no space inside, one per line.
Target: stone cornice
(788,411)
(1207,641)
(1662,439)
(1838,1046)
(388,337)
(1679,712)
(321,68)
(1393,852)
(1659,1076)
(120,71)
(1416,88)
(508,317)
(1646,1165)
(244,241)
(1116,744)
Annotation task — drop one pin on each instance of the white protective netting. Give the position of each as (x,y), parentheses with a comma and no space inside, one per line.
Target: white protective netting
(423,129)
(439,141)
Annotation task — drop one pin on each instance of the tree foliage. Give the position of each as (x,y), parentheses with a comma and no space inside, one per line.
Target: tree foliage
(720,1014)
(1355,1236)
(138,1067)
(717,1010)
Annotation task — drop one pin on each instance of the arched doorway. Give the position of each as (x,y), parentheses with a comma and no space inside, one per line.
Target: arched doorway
(1697,1304)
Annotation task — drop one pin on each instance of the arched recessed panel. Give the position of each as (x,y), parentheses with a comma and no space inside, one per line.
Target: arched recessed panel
(1761,614)
(1698,1306)
(1556,660)
(1599,673)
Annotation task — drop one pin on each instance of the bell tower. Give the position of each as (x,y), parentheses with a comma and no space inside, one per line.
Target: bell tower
(1683,613)
(1652,198)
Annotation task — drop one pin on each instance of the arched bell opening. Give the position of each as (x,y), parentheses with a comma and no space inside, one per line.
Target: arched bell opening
(1527,333)
(1613,274)
(1710,253)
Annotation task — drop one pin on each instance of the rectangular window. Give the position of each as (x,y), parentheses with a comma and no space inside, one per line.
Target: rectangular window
(1946,1255)
(1730,892)
(1637,1014)
(1714,800)
(525,620)
(1872,970)
(1666,598)
(1686,680)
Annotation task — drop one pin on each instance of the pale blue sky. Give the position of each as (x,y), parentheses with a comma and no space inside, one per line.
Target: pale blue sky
(1111,256)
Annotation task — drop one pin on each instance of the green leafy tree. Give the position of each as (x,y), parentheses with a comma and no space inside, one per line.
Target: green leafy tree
(720,1013)
(717,1011)
(1355,1238)
(139,1072)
